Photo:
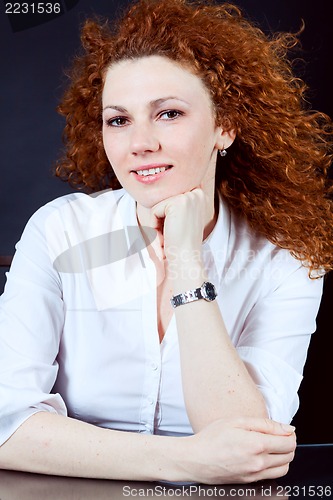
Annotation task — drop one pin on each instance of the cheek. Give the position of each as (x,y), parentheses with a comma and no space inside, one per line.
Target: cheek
(110,152)
(105,141)
(200,153)
(110,147)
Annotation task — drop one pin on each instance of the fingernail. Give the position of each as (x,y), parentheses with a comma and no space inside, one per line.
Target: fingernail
(288,428)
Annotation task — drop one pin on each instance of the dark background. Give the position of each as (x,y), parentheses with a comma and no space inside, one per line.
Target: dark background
(36,49)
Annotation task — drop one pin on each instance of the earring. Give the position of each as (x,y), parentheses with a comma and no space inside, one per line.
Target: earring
(223,152)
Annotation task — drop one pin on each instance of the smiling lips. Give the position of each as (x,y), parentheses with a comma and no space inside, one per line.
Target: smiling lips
(151,173)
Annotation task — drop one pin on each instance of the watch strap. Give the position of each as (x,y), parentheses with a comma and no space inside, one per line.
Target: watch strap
(193,295)
(186,297)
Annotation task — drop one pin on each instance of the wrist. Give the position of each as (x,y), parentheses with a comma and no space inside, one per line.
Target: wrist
(189,459)
(184,277)
(206,291)
(184,459)
(172,455)
(182,256)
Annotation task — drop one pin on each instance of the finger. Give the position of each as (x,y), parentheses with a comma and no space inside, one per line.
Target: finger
(266,444)
(273,460)
(157,216)
(264,474)
(276,444)
(265,426)
(159,210)
(271,473)
(279,460)
(269,466)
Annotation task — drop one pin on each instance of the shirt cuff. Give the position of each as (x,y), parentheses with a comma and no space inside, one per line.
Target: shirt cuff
(10,423)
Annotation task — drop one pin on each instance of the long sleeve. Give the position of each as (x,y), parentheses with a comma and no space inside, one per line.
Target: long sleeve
(31,319)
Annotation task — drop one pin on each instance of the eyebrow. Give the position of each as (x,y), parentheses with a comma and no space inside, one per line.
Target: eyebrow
(152,104)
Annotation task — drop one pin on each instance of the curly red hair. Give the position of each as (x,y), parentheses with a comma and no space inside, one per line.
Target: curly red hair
(276,171)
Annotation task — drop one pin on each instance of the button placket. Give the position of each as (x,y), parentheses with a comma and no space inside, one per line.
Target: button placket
(153,355)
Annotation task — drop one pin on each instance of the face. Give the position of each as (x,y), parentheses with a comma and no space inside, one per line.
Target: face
(159,129)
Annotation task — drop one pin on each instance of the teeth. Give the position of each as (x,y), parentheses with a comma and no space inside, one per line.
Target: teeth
(151,171)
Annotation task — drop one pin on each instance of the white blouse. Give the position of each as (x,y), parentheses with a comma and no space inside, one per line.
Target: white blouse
(78,318)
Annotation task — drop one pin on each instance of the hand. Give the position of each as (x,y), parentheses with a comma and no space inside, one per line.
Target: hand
(182,220)
(241,451)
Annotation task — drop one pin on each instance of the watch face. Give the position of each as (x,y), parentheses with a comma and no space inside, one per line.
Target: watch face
(209,291)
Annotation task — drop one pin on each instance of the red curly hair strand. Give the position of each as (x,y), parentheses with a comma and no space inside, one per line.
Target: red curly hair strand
(276,171)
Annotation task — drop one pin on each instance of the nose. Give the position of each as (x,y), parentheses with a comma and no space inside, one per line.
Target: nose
(143,139)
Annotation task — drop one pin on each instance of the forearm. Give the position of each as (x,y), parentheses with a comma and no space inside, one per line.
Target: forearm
(243,450)
(56,445)
(216,382)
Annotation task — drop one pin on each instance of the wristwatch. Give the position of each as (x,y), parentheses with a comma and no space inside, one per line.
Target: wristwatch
(207,291)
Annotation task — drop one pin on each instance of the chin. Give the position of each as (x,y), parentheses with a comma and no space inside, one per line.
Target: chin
(149,204)
(150,201)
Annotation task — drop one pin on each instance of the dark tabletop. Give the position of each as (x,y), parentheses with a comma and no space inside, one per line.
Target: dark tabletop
(310,476)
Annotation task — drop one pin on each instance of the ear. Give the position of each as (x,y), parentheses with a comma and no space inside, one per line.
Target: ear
(225,138)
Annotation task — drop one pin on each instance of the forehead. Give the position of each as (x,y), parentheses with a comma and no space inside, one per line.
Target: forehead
(152,75)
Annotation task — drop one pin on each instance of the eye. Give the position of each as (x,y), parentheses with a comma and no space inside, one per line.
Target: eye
(170,114)
(118,121)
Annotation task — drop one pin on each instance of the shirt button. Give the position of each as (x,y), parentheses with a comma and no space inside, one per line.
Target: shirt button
(150,401)
(154,366)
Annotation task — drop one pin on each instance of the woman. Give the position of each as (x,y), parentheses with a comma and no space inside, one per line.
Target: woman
(178,308)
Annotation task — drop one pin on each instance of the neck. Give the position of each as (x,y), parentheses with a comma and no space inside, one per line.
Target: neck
(211,224)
